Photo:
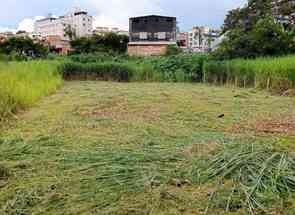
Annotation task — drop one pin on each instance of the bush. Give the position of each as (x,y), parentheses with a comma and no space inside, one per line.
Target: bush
(22,49)
(175,68)
(173,50)
(109,42)
(189,66)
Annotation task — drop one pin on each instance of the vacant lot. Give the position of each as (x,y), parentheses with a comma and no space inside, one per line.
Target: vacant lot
(134,148)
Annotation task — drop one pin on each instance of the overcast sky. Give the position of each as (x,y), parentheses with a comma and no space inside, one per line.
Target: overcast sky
(20,14)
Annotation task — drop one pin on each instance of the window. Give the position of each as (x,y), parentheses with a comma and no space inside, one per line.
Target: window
(161,35)
(143,35)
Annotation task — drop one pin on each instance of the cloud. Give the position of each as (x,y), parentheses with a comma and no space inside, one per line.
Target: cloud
(4,29)
(116,13)
(28,24)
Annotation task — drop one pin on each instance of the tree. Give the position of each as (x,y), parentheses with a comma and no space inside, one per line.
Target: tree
(109,42)
(254,31)
(237,18)
(270,38)
(23,48)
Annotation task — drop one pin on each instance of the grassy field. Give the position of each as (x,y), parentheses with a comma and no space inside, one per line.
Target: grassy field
(147,148)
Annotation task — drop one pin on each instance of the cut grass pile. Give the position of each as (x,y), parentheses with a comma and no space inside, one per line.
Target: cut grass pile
(22,84)
(276,74)
(259,175)
(147,148)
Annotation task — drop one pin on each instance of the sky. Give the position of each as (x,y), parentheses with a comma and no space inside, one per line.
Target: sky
(21,14)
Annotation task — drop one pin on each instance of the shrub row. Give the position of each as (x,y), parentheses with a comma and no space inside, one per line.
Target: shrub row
(176,68)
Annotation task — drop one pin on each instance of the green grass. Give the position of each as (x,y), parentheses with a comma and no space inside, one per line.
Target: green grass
(146,148)
(276,74)
(176,68)
(22,84)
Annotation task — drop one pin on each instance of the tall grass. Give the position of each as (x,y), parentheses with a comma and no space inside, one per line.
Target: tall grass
(276,74)
(108,71)
(23,83)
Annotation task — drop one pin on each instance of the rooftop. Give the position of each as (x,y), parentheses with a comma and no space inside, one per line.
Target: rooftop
(45,19)
(149,16)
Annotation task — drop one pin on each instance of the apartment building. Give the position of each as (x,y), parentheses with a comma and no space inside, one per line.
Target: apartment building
(200,39)
(80,23)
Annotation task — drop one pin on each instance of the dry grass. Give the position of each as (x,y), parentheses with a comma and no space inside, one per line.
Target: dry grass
(279,125)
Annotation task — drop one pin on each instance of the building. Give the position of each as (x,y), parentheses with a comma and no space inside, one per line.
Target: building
(284,11)
(56,44)
(103,30)
(24,34)
(78,22)
(151,35)
(6,35)
(182,40)
(202,38)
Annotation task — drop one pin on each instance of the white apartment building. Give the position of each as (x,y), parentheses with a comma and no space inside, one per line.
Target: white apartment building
(100,30)
(200,39)
(79,21)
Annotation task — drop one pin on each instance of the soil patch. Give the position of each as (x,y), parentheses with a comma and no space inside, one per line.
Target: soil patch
(120,109)
(282,126)
(203,148)
(289,93)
